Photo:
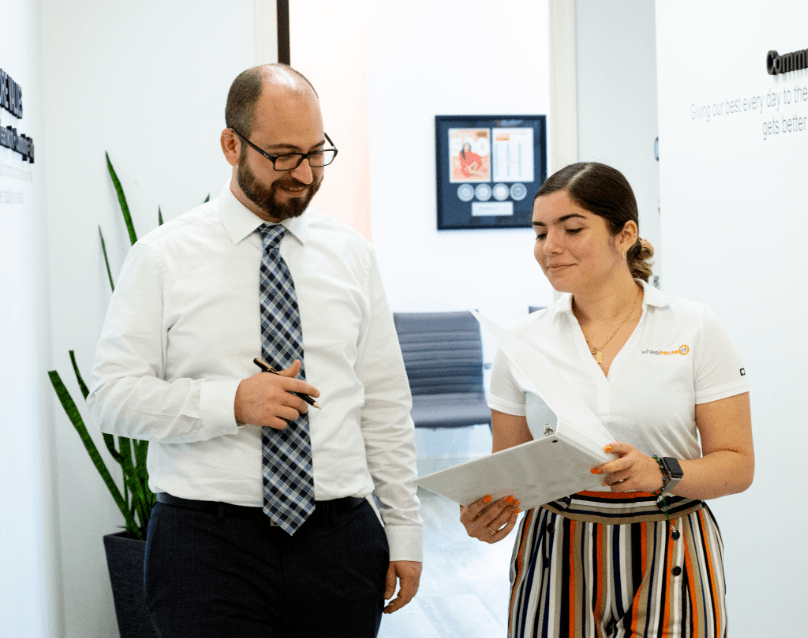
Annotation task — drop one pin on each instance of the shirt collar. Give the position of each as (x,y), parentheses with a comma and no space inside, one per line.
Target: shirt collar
(651,297)
(240,222)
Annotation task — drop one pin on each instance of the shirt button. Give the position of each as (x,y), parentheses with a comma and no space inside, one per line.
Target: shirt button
(676,570)
(550,528)
(675,534)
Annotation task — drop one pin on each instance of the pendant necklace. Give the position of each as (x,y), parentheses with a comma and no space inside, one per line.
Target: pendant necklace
(598,352)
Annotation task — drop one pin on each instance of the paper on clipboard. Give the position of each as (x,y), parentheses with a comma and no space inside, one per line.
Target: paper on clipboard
(542,470)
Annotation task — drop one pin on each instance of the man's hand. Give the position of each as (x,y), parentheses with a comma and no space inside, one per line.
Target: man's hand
(266,399)
(409,575)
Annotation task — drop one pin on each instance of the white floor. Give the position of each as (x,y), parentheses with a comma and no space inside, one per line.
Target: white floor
(439,448)
(464,586)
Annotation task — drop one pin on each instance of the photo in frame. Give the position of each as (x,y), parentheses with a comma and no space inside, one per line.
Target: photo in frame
(488,169)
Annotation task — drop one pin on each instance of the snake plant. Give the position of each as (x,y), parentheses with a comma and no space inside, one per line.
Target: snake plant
(136,500)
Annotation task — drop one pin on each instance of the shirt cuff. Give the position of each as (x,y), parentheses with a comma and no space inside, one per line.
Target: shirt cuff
(722,391)
(217,401)
(406,542)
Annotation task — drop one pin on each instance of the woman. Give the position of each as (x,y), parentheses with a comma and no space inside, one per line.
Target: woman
(467,158)
(641,556)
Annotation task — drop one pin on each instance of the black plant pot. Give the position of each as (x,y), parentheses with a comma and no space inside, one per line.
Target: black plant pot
(125,562)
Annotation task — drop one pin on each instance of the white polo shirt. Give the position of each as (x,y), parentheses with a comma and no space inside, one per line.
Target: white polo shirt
(677,356)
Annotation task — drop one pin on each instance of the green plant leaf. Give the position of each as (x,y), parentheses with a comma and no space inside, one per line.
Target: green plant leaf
(126,494)
(127,218)
(106,260)
(141,455)
(75,418)
(130,475)
(159,217)
(141,450)
(82,385)
(109,441)
(207,199)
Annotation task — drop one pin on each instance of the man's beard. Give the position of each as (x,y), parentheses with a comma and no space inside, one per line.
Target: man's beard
(265,198)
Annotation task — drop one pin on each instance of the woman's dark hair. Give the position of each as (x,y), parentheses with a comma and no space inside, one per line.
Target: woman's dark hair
(463,149)
(605,192)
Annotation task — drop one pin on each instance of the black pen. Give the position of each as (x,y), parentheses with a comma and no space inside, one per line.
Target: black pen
(267,368)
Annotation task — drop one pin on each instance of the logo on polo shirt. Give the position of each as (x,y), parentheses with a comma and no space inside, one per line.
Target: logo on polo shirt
(683,350)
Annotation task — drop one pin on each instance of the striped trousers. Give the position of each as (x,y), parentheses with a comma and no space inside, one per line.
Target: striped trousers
(599,564)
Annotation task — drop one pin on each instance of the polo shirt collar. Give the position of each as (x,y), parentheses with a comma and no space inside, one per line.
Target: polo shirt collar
(651,297)
(240,222)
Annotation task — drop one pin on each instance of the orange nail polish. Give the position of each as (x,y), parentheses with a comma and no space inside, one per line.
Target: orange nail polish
(487,499)
(516,505)
(509,499)
(518,510)
(603,484)
(608,448)
(595,470)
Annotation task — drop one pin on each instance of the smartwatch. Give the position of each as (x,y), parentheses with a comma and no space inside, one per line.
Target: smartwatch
(672,471)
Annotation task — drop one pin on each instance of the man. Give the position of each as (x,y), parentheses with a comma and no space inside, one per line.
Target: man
(263,525)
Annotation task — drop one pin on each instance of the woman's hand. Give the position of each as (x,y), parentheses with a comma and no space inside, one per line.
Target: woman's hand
(490,522)
(632,472)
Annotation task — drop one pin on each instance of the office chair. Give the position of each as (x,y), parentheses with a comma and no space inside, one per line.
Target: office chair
(443,356)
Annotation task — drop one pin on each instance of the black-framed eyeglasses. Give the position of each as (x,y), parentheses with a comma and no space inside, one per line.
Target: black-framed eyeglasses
(290,161)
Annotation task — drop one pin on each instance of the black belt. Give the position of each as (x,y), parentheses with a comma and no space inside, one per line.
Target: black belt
(323,511)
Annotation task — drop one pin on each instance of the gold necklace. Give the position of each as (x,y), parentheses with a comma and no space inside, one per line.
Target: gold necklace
(598,352)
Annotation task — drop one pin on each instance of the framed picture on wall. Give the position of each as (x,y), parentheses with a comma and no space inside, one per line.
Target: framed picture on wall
(488,169)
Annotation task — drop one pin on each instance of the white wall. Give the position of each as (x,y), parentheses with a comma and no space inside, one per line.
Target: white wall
(328,45)
(615,50)
(734,225)
(449,58)
(148,83)
(29,601)
(464,58)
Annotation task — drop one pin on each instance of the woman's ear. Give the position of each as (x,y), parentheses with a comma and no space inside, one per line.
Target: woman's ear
(627,237)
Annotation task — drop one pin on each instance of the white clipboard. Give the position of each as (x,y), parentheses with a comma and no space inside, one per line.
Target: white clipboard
(557,464)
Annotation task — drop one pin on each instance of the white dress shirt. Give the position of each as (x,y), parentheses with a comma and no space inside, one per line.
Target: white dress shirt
(678,355)
(182,331)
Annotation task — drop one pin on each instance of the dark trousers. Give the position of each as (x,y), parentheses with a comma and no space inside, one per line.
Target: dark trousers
(216,575)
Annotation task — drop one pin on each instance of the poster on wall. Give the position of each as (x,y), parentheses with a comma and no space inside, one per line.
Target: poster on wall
(488,169)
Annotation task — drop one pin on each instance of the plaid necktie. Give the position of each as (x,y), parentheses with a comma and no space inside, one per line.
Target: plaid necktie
(286,465)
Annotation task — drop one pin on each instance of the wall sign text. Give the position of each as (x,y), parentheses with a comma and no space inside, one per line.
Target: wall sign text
(786,63)
(11,101)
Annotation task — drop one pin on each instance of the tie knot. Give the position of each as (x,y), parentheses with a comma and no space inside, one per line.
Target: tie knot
(271,235)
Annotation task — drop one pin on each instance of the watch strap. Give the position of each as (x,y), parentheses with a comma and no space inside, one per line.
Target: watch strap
(669,479)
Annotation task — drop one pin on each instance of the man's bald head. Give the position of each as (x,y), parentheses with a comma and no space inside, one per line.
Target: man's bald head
(248,86)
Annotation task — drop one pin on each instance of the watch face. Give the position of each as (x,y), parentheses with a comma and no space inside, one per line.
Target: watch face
(672,467)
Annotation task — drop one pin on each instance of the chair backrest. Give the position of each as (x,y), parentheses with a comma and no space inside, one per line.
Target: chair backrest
(442,351)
